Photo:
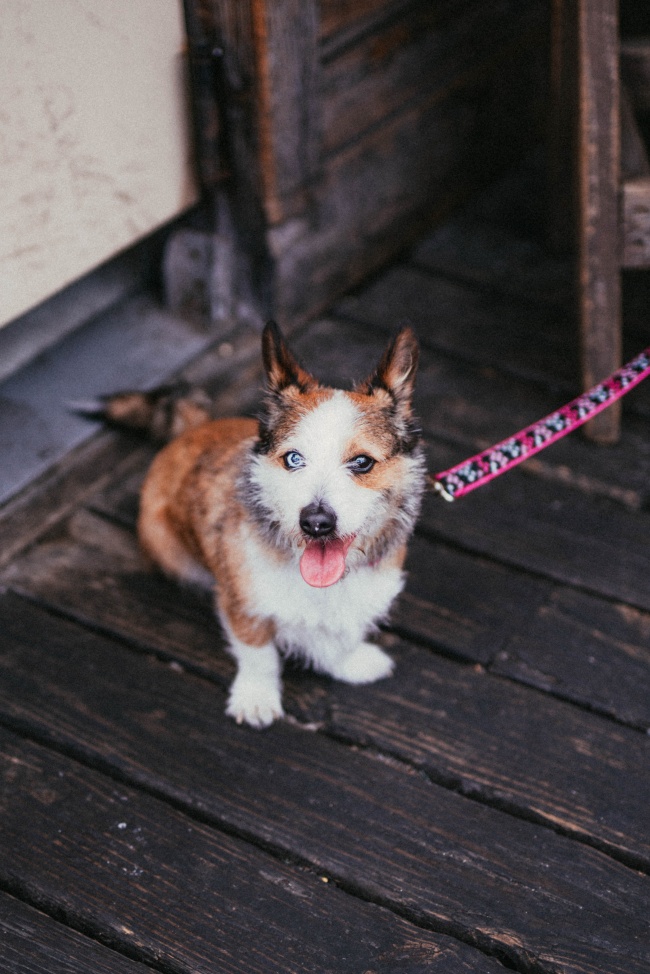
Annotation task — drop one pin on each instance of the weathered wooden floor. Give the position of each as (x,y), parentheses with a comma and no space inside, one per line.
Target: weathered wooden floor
(485,809)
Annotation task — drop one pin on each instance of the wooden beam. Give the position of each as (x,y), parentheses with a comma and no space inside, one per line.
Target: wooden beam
(636,222)
(285,36)
(598,201)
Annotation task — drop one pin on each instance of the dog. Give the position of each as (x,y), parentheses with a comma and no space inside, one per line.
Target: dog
(298,522)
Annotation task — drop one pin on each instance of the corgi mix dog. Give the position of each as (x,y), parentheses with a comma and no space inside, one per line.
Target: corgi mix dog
(298,522)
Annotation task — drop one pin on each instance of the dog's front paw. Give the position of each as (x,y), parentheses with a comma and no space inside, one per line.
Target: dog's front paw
(365,664)
(254,703)
(256,694)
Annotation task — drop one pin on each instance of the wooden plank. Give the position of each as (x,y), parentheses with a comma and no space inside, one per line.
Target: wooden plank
(598,171)
(475,610)
(416,51)
(338,16)
(548,528)
(561,114)
(182,896)
(464,605)
(636,222)
(575,645)
(52,497)
(371,826)
(94,572)
(588,650)
(482,327)
(368,210)
(487,255)
(285,35)
(32,943)
(520,751)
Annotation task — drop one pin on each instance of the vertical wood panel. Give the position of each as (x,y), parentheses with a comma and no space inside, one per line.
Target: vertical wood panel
(598,201)
(288,66)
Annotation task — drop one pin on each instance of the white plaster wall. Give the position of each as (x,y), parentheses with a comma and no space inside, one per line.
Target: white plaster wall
(94,136)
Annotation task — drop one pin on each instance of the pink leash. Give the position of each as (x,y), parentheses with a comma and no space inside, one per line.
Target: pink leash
(488,464)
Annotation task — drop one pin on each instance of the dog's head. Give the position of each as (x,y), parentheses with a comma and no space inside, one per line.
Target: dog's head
(337,475)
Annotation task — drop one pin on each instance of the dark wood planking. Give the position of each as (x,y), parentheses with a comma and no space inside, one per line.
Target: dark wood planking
(585,154)
(594,652)
(481,327)
(513,748)
(415,52)
(577,646)
(547,528)
(449,863)
(462,604)
(93,571)
(368,211)
(487,327)
(495,257)
(287,103)
(489,623)
(486,736)
(183,896)
(636,224)
(54,496)
(314,221)
(33,943)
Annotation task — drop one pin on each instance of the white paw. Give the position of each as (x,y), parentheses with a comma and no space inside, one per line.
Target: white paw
(365,664)
(256,693)
(253,703)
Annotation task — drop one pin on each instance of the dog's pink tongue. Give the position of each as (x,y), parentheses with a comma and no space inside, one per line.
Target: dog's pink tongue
(323,562)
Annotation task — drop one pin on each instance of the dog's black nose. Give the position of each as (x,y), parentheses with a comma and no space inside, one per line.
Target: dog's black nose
(317,520)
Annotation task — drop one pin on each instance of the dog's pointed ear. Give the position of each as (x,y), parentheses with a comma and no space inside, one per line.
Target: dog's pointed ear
(282,369)
(396,370)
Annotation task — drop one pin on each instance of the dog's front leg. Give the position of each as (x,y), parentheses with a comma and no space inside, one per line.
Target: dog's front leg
(255,696)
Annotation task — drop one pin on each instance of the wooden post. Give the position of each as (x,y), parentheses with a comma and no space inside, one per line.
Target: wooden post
(598,186)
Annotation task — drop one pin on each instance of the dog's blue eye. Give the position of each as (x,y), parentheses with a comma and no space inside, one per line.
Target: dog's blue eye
(293,460)
(361,464)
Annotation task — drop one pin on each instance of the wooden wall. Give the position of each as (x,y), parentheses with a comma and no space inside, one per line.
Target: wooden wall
(349,127)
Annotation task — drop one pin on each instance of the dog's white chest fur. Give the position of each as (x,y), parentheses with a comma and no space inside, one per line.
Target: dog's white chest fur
(320,625)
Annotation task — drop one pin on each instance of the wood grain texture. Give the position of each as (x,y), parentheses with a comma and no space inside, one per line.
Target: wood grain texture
(453,602)
(416,52)
(379,830)
(589,650)
(598,141)
(287,103)
(636,222)
(546,527)
(366,208)
(181,895)
(32,943)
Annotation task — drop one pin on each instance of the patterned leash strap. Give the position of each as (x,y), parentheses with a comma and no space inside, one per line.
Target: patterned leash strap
(488,464)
